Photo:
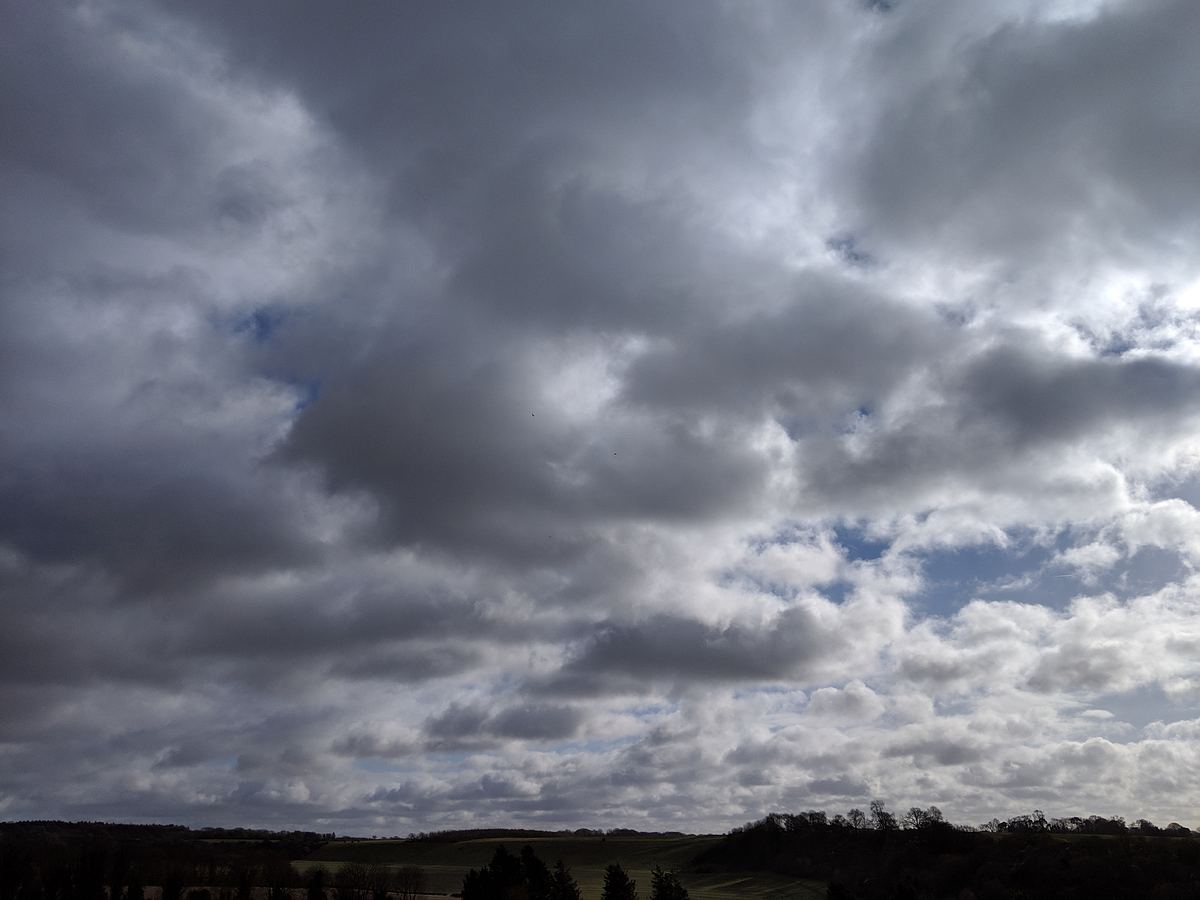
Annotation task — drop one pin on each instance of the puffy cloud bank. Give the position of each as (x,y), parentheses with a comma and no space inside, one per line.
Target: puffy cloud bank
(645,414)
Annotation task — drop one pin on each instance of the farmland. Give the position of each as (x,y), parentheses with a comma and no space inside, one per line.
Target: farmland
(445,863)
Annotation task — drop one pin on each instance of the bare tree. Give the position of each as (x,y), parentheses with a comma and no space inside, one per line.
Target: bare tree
(881,819)
(352,881)
(409,882)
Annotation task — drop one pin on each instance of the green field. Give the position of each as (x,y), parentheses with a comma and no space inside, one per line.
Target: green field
(445,864)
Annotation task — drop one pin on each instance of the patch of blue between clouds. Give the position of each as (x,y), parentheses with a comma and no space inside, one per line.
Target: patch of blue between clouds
(260,325)
(1187,490)
(855,419)
(857,544)
(846,248)
(1140,707)
(759,690)
(651,710)
(1117,345)
(379,766)
(594,745)
(453,758)
(837,592)
(1150,569)
(309,391)
(1024,572)
(955,576)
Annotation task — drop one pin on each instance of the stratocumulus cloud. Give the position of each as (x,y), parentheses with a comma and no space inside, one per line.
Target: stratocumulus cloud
(648,414)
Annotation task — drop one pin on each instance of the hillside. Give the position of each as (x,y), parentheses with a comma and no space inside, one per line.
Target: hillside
(445,863)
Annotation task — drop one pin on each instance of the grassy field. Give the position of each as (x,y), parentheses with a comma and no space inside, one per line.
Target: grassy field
(445,864)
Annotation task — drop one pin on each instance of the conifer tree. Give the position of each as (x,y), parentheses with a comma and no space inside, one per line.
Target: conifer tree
(618,885)
(665,886)
(562,885)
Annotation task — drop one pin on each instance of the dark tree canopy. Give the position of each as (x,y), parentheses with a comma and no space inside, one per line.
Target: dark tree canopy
(509,877)
(665,886)
(618,885)
(562,885)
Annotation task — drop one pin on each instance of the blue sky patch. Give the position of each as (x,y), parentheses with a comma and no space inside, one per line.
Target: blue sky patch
(857,545)
(260,325)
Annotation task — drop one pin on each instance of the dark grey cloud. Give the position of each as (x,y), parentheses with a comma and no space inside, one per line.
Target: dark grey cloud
(407,664)
(119,140)
(1092,667)
(109,454)
(469,726)
(632,657)
(1033,397)
(937,751)
(415,81)
(995,418)
(831,351)
(1022,139)
(454,454)
(538,722)
(838,787)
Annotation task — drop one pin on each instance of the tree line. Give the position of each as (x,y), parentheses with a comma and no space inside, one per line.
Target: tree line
(96,861)
(526,877)
(879,818)
(878,855)
(454,835)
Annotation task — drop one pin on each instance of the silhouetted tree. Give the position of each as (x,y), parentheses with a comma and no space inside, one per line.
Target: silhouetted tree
(537,876)
(814,818)
(881,819)
(378,882)
(665,886)
(118,873)
(617,884)
(318,879)
(245,876)
(409,881)
(504,874)
(856,818)
(922,818)
(133,886)
(352,881)
(562,885)
(279,876)
(89,870)
(172,886)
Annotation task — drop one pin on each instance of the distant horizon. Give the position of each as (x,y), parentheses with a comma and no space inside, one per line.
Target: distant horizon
(517,830)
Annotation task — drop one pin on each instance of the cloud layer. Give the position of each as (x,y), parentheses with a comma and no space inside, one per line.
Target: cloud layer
(648,414)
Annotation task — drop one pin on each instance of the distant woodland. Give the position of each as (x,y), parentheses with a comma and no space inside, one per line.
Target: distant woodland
(877,855)
(863,854)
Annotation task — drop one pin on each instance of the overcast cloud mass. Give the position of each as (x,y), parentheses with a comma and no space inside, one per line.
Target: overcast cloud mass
(646,414)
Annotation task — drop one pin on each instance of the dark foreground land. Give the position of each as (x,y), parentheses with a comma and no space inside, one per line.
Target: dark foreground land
(91,861)
(782,856)
(446,860)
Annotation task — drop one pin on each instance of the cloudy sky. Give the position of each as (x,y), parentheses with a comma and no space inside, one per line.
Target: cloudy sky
(647,414)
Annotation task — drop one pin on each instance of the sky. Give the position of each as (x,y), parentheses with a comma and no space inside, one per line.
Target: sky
(654,415)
